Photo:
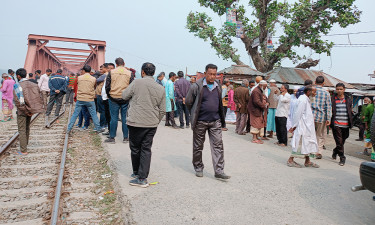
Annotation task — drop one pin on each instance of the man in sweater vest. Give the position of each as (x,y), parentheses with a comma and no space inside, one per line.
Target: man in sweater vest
(206,106)
(116,82)
(84,88)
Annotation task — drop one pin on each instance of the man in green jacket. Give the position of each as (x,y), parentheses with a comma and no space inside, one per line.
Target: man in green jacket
(369,111)
(146,109)
(362,118)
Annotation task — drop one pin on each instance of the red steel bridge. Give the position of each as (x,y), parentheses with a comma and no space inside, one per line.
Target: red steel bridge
(42,56)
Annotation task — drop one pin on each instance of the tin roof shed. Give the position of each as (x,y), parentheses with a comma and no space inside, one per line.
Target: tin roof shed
(242,70)
(298,76)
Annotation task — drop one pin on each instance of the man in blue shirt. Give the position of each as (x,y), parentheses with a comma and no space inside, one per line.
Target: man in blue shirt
(57,85)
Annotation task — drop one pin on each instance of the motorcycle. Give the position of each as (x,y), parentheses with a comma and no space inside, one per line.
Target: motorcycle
(367,175)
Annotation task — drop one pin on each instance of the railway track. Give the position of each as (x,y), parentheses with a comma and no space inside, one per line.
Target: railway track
(30,186)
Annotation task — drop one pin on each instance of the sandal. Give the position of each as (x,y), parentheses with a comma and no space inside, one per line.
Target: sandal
(293,164)
(276,143)
(281,145)
(265,138)
(257,141)
(22,153)
(313,165)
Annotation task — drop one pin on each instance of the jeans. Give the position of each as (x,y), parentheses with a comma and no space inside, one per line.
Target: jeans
(216,141)
(340,135)
(281,130)
(101,110)
(91,108)
(140,143)
(69,95)
(84,114)
(181,108)
(58,98)
(114,109)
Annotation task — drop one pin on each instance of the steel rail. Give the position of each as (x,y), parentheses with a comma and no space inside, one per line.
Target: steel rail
(56,204)
(15,136)
(9,143)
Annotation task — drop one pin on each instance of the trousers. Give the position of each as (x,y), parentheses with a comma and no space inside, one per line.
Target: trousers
(101,110)
(340,135)
(115,109)
(320,129)
(216,142)
(77,110)
(241,120)
(45,95)
(69,95)
(140,143)
(23,123)
(281,130)
(182,109)
(107,113)
(59,99)
(361,131)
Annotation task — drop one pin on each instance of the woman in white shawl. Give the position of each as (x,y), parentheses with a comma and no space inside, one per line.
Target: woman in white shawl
(304,129)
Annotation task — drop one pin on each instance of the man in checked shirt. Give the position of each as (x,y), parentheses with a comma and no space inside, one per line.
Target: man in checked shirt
(322,110)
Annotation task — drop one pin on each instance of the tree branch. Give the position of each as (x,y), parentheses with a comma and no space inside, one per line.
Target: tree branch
(309,63)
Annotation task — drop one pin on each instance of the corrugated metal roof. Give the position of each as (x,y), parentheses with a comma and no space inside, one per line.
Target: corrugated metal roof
(240,70)
(298,76)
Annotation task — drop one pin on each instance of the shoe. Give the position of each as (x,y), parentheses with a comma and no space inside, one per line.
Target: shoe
(134,176)
(324,147)
(342,162)
(319,156)
(167,124)
(139,182)
(224,129)
(84,128)
(175,126)
(125,140)
(334,156)
(105,133)
(46,121)
(199,174)
(182,127)
(222,176)
(358,139)
(78,126)
(99,131)
(110,141)
(187,126)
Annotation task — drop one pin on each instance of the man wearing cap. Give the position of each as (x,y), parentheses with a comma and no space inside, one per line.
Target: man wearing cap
(273,90)
(258,111)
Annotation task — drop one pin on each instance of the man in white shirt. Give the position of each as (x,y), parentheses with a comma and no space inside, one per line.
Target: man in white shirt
(43,86)
(281,115)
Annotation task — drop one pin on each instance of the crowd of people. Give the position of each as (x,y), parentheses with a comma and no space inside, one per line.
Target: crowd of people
(205,105)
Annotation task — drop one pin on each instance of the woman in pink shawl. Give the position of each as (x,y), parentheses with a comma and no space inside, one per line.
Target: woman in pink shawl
(231,115)
(7,97)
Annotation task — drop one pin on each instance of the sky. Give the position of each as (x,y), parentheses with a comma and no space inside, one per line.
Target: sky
(154,31)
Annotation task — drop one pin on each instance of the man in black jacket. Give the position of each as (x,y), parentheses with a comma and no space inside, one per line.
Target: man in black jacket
(206,106)
(341,121)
